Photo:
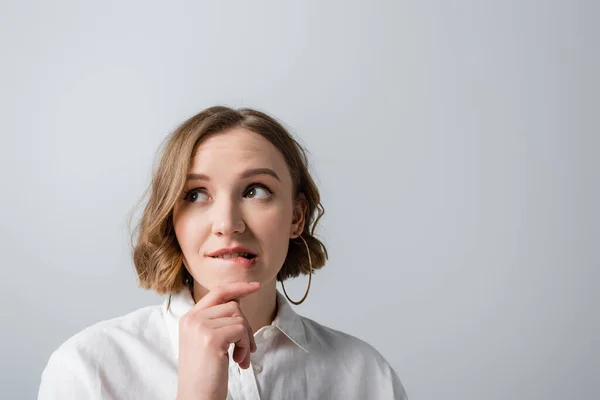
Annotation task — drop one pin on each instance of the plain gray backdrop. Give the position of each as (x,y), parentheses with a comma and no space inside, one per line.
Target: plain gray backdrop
(455,144)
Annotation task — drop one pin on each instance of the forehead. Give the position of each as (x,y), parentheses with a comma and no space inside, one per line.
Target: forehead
(233,151)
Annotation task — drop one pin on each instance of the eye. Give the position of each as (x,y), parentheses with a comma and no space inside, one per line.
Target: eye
(194,194)
(255,190)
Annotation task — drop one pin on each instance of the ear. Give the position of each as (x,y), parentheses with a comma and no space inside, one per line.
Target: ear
(299,216)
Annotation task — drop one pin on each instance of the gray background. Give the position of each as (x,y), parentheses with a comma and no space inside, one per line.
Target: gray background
(455,144)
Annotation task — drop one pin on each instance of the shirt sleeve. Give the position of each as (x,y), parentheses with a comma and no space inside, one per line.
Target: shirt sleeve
(60,380)
(397,389)
(387,380)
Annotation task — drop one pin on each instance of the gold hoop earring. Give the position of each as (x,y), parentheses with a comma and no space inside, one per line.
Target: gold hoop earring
(309,277)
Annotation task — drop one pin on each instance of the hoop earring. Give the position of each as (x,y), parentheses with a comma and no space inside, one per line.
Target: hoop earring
(309,277)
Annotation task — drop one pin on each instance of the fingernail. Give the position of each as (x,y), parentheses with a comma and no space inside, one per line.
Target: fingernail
(254,283)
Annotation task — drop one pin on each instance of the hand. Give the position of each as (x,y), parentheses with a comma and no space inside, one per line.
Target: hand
(205,333)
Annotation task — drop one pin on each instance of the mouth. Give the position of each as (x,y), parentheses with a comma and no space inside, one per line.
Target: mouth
(243,260)
(229,256)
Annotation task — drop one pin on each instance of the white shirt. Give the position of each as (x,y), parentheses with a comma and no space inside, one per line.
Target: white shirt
(135,357)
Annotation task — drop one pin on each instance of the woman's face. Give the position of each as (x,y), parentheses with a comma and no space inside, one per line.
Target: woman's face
(238,193)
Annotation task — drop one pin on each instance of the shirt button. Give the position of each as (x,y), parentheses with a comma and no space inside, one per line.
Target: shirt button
(257,368)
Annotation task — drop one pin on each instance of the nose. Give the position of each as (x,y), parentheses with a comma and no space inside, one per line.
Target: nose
(227,219)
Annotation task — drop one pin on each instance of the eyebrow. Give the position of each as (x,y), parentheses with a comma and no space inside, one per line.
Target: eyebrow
(246,174)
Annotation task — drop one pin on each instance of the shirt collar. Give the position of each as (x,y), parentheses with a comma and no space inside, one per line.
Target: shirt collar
(286,320)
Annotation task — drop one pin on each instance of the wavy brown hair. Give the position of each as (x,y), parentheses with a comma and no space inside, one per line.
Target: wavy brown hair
(157,256)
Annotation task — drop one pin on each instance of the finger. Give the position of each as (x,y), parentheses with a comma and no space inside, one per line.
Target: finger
(227,292)
(237,334)
(229,309)
(232,320)
(245,362)
(225,321)
(253,343)
(241,356)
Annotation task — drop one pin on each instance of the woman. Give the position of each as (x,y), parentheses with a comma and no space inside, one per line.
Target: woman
(232,209)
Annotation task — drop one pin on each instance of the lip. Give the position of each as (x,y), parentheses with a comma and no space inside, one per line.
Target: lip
(229,250)
(239,261)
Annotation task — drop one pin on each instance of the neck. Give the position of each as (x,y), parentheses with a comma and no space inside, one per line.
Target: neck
(259,308)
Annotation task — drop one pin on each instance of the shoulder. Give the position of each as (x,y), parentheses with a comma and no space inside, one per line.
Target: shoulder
(323,338)
(76,362)
(355,356)
(138,325)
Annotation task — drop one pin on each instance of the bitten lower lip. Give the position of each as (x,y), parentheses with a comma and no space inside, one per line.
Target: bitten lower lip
(239,261)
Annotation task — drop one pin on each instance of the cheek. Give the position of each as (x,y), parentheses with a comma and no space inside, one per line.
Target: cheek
(273,229)
(186,231)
